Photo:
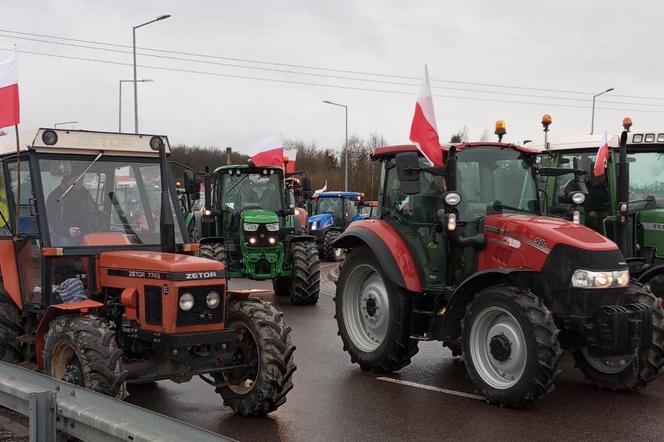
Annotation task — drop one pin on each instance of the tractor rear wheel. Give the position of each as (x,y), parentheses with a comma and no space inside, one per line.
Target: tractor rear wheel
(305,282)
(331,253)
(656,285)
(633,371)
(264,344)
(373,315)
(81,349)
(510,346)
(213,250)
(10,329)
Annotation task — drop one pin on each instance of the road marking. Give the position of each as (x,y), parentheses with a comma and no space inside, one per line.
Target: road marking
(432,388)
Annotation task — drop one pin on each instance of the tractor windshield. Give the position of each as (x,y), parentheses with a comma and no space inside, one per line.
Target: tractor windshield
(328,205)
(646,177)
(241,190)
(112,196)
(486,175)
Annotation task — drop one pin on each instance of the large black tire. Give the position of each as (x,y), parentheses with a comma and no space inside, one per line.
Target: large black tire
(305,289)
(372,352)
(263,388)
(282,286)
(494,313)
(637,371)
(213,250)
(10,329)
(82,350)
(656,285)
(331,253)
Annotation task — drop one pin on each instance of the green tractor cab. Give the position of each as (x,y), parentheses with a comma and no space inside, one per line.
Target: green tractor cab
(249,223)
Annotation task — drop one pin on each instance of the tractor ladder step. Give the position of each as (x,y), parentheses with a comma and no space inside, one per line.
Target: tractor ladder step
(26,339)
(421,338)
(28,365)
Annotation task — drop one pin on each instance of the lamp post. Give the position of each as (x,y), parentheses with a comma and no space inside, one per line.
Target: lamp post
(120,100)
(346,148)
(161,17)
(592,121)
(55,125)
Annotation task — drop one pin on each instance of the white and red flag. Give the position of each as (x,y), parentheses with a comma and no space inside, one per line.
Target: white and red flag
(602,157)
(270,152)
(321,190)
(9,108)
(423,131)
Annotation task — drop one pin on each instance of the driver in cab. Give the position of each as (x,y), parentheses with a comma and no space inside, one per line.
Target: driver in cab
(67,208)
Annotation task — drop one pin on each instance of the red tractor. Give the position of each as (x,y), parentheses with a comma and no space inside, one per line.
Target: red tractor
(461,255)
(99,285)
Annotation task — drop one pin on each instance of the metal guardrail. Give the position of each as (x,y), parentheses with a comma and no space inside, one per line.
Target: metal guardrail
(55,405)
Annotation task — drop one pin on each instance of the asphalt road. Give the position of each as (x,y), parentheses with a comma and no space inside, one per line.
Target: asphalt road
(334,400)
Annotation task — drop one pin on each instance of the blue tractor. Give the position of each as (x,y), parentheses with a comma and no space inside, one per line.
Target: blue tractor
(331,213)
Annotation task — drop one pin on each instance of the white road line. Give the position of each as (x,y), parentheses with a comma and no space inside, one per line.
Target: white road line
(432,388)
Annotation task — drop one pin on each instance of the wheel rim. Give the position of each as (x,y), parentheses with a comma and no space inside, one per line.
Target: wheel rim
(365,306)
(242,381)
(608,364)
(498,347)
(338,253)
(66,366)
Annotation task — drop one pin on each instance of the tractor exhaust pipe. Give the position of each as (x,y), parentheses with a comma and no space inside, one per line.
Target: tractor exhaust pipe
(451,168)
(166,224)
(622,184)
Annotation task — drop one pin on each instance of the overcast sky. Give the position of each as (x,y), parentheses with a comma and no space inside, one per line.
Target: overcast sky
(486,59)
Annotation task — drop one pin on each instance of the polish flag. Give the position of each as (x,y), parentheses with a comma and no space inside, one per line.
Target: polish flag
(423,131)
(270,152)
(321,190)
(9,109)
(602,157)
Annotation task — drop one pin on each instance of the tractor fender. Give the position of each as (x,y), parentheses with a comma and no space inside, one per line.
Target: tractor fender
(463,294)
(299,238)
(388,247)
(651,273)
(80,307)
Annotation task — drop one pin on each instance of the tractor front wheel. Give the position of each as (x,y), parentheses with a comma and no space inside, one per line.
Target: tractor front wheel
(510,346)
(305,282)
(373,315)
(81,349)
(264,347)
(331,253)
(633,371)
(10,329)
(214,251)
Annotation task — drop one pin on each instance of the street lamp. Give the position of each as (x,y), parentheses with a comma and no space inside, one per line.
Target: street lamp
(120,100)
(346,148)
(161,17)
(592,122)
(55,126)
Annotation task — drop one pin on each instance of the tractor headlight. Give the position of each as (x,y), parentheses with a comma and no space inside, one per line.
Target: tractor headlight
(314,225)
(588,279)
(250,227)
(452,198)
(272,240)
(252,240)
(272,227)
(451,221)
(576,217)
(578,197)
(213,299)
(186,301)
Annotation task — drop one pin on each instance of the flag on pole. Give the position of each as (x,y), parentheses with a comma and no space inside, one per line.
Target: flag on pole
(423,131)
(9,108)
(270,152)
(321,190)
(602,157)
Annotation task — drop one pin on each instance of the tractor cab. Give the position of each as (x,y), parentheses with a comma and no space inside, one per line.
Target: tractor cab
(331,213)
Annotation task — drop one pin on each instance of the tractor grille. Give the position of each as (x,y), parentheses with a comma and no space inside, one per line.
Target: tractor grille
(262,236)
(200,313)
(153,310)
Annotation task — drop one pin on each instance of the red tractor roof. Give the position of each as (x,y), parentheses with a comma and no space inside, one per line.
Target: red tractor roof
(388,151)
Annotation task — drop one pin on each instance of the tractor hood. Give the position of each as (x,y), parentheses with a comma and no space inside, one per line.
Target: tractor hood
(526,241)
(140,261)
(259,216)
(321,221)
(653,230)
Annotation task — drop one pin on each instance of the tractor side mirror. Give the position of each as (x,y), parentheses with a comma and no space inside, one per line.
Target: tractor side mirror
(408,171)
(192,184)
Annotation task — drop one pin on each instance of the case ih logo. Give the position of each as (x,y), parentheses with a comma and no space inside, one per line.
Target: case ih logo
(654,226)
(494,229)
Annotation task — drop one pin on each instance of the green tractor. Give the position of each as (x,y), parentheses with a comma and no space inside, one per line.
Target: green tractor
(250,223)
(626,203)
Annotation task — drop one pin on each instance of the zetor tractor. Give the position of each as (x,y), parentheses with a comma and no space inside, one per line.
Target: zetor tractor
(99,287)
(331,213)
(626,203)
(461,255)
(250,224)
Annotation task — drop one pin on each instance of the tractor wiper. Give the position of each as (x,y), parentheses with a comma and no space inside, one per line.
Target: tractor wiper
(498,206)
(71,186)
(236,184)
(121,214)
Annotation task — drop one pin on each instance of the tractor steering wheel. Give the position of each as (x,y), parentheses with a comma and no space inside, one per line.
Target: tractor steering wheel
(92,221)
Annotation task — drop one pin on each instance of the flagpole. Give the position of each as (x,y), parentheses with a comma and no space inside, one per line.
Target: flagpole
(18,183)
